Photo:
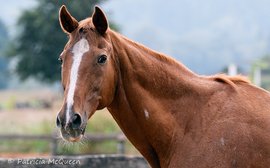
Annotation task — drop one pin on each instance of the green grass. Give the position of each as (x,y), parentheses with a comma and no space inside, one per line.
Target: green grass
(44,127)
(88,148)
(22,146)
(101,122)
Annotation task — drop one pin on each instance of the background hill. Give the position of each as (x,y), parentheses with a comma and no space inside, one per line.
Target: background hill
(204,35)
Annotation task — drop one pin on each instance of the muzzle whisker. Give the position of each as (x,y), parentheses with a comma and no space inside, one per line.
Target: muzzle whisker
(58,135)
(83,141)
(66,145)
(85,138)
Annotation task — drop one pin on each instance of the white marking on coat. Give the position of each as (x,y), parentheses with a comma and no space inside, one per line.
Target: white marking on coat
(78,51)
(146,114)
(222,141)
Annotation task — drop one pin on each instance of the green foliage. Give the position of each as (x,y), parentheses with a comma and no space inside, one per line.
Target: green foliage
(22,146)
(3,61)
(264,65)
(3,36)
(40,39)
(3,72)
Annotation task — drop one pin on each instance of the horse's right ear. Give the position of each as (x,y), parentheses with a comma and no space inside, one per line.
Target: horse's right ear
(67,22)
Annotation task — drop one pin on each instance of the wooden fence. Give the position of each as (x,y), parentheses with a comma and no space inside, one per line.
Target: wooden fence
(120,138)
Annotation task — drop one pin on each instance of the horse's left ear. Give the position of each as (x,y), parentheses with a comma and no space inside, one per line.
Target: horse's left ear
(100,21)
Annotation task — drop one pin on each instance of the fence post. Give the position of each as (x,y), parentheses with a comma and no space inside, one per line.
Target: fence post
(121,144)
(53,144)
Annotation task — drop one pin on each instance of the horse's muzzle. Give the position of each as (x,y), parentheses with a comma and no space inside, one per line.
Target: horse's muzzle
(72,135)
(72,130)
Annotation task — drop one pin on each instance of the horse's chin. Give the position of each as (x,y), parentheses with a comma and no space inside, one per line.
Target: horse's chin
(72,136)
(74,139)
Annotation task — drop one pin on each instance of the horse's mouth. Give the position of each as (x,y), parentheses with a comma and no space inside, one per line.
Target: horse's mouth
(74,139)
(72,135)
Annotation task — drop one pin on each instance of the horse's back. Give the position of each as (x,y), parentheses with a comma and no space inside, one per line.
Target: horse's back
(243,131)
(236,133)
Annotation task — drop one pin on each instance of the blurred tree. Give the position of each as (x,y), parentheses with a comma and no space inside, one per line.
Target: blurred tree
(3,61)
(3,35)
(40,39)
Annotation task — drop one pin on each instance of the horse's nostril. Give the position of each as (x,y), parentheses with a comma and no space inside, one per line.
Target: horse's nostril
(76,121)
(58,122)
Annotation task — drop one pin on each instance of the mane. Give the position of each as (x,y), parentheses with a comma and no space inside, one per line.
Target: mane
(160,56)
(231,80)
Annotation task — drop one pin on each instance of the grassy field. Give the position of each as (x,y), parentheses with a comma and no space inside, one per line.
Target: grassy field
(42,121)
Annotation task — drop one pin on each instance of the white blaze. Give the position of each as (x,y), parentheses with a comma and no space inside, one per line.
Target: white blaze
(78,51)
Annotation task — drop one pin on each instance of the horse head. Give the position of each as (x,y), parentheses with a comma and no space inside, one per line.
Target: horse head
(88,71)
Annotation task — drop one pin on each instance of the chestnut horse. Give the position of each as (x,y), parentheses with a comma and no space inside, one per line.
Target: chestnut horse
(173,116)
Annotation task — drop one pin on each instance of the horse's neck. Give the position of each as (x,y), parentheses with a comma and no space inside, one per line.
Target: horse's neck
(150,69)
(148,85)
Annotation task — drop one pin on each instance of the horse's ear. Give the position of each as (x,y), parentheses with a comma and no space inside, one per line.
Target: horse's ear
(100,21)
(67,22)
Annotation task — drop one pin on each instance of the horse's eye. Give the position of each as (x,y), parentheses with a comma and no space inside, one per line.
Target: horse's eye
(102,59)
(60,60)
